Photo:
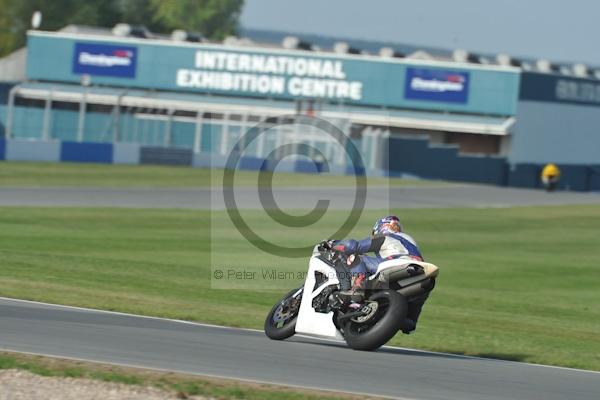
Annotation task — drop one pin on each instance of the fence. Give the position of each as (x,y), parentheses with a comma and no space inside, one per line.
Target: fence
(194,134)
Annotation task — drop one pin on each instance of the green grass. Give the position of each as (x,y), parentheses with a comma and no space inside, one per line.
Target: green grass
(516,283)
(180,385)
(75,175)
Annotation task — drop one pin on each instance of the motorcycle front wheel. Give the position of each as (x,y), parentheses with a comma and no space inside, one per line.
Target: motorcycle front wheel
(281,321)
(370,333)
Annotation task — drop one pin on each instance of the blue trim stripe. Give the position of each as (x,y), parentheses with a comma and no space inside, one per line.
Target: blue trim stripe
(412,249)
(86,152)
(251,163)
(2,149)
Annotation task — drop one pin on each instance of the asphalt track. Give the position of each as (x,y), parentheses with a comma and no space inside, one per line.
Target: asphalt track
(291,198)
(249,355)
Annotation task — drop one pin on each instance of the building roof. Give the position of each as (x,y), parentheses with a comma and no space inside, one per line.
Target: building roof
(275,39)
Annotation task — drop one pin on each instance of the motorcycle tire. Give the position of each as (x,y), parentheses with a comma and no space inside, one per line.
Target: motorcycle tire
(384,327)
(289,326)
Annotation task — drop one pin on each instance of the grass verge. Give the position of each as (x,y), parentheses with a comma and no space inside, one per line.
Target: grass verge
(181,385)
(516,283)
(102,175)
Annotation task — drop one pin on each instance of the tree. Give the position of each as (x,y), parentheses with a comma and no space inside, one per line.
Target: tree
(15,18)
(140,12)
(8,32)
(213,18)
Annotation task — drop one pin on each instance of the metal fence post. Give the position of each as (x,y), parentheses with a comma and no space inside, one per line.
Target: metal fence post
(198,132)
(10,111)
(47,117)
(225,134)
(169,128)
(82,112)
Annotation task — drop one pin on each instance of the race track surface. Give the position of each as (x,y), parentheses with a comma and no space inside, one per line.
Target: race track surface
(290,198)
(245,354)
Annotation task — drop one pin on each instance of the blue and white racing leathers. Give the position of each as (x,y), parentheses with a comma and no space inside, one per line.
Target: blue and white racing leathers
(386,247)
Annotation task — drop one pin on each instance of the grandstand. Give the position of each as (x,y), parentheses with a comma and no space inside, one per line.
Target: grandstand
(127,95)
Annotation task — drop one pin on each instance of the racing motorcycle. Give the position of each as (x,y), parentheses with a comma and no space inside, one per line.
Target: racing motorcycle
(316,309)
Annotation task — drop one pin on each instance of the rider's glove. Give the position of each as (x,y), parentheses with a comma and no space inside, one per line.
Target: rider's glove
(348,246)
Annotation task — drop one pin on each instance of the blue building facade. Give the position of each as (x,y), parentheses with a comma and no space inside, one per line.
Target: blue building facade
(103,98)
(272,73)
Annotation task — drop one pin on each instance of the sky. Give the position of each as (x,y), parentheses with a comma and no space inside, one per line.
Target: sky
(558,30)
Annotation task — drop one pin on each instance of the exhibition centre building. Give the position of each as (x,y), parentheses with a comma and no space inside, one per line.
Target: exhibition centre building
(128,96)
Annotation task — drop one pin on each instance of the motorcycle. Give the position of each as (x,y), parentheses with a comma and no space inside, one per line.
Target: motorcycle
(316,309)
(550,183)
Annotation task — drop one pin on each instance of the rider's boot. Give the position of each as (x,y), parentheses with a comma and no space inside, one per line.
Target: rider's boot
(356,294)
(412,316)
(409,326)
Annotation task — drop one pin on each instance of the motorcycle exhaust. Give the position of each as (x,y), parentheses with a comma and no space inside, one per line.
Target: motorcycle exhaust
(417,289)
(396,275)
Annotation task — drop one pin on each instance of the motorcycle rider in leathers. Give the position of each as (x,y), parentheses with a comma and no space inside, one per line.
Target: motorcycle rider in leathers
(388,242)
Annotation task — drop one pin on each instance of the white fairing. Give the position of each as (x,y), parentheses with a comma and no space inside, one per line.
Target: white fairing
(313,323)
(430,269)
(309,321)
(398,262)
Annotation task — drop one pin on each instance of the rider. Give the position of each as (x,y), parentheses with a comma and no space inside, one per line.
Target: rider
(387,241)
(550,176)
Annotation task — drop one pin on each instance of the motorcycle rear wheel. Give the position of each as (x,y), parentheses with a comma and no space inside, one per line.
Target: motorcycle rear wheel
(281,321)
(374,333)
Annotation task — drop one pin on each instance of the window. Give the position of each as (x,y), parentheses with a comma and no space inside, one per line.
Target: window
(27,102)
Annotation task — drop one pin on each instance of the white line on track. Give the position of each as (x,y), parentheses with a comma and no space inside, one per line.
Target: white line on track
(303,336)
